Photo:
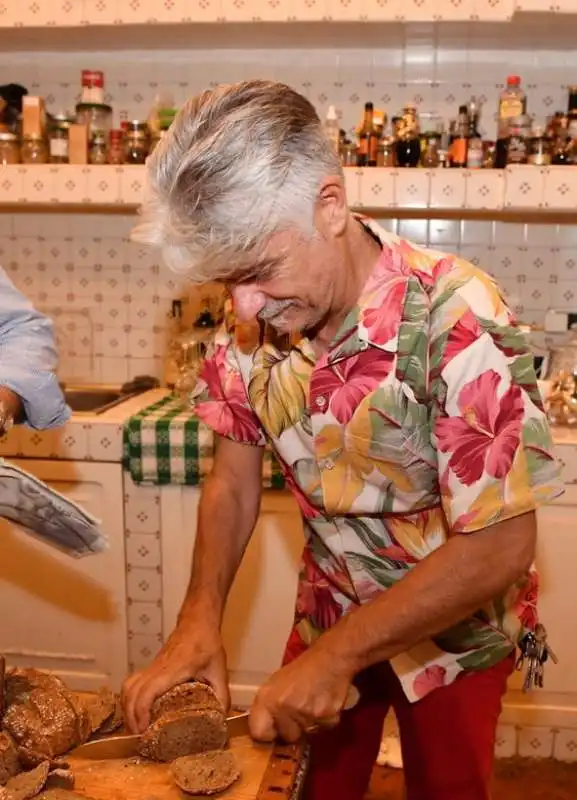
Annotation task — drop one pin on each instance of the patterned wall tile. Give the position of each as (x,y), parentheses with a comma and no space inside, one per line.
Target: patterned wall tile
(144,585)
(535,742)
(565,748)
(506,741)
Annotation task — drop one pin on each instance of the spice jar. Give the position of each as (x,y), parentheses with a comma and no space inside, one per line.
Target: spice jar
(348,154)
(430,157)
(9,149)
(116,147)
(98,149)
(34,149)
(540,149)
(58,140)
(136,142)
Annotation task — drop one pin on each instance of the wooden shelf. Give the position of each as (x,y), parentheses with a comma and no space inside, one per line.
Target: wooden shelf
(531,190)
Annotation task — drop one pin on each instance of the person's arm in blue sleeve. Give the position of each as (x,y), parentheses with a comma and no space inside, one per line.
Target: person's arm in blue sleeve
(29,388)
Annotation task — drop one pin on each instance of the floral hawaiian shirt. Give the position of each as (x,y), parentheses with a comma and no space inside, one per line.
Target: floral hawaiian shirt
(422,421)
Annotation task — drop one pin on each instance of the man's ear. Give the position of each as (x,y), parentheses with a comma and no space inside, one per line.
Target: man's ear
(332,209)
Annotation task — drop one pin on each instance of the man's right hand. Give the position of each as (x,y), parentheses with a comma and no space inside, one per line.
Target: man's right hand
(192,651)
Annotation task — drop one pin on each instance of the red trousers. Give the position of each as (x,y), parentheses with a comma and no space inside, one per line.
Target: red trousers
(447,738)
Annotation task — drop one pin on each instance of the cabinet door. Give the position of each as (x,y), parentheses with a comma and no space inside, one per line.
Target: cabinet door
(62,614)
(556,703)
(260,607)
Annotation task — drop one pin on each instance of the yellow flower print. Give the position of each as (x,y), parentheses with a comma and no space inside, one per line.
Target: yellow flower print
(278,388)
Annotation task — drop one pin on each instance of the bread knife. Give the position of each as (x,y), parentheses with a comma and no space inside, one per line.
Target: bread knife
(126,745)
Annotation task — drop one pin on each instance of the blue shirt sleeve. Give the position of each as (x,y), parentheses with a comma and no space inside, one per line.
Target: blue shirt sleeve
(28,359)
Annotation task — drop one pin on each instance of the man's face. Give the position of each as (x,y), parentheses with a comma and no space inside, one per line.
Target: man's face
(296,290)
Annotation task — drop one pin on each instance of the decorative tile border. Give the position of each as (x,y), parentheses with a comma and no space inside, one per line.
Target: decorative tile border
(516,188)
(143,572)
(68,13)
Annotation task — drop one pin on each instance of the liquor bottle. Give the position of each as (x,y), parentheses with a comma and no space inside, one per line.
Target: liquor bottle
(475,151)
(368,139)
(512,104)
(408,144)
(459,146)
(332,129)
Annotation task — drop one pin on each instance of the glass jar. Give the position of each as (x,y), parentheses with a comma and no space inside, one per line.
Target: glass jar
(386,152)
(430,156)
(116,147)
(540,149)
(136,142)
(96,117)
(349,154)
(98,149)
(58,140)
(9,149)
(34,149)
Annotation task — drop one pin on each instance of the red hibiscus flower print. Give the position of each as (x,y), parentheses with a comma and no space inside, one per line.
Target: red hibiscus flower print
(227,411)
(346,383)
(382,315)
(463,334)
(315,598)
(430,678)
(526,605)
(486,436)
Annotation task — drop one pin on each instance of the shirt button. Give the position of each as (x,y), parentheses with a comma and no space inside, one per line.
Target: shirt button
(329,463)
(321,401)
(363,345)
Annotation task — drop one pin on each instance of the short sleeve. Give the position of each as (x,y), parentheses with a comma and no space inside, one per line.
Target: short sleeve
(488,425)
(222,402)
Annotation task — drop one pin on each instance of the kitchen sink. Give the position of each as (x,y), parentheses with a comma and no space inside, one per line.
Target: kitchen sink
(96,399)
(92,401)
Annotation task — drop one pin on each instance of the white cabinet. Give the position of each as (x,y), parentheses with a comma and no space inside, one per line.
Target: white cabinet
(62,614)
(555,704)
(261,604)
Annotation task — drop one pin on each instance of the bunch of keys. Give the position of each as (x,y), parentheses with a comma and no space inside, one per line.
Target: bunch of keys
(536,652)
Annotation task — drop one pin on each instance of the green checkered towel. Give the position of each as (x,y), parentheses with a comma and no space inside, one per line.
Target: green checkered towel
(165,443)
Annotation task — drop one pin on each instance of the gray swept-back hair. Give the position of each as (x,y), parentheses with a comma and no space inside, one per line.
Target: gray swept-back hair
(239,163)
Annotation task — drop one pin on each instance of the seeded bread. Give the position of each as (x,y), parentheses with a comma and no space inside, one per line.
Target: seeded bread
(184,732)
(184,696)
(205,773)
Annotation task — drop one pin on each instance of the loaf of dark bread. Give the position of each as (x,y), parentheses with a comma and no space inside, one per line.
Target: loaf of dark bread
(184,696)
(9,761)
(187,719)
(205,773)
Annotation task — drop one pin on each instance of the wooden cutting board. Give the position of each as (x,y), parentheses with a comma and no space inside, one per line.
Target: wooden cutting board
(267,773)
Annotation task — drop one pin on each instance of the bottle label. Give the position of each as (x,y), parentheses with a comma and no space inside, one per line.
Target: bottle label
(517,150)
(364,146)
(59,148)
(475,154)
(459,151)
(510,107)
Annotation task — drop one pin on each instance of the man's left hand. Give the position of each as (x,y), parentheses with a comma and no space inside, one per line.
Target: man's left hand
(310,691)
(10,408)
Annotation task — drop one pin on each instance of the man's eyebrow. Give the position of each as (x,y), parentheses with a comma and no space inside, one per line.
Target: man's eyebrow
(261,270)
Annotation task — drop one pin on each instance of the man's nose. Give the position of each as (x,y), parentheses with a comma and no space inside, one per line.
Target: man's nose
(248,301)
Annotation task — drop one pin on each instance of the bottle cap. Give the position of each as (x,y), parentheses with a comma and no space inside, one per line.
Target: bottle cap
(332,113)
(513,80)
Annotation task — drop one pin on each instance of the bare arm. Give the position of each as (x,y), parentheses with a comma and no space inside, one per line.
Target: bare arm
(443,589)
(228,512)
(227,515)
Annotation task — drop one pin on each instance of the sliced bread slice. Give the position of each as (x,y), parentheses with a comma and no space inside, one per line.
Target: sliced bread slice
(184,732)
(205,773)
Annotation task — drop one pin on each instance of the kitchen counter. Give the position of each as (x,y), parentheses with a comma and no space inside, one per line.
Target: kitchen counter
(99,437)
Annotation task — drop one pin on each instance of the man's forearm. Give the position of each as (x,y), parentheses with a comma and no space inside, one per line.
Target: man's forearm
(448,586)
(226,520)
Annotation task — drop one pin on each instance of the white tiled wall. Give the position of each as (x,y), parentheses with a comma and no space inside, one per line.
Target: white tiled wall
(110,298)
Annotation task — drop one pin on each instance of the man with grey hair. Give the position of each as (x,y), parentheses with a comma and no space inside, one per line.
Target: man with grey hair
(400,400)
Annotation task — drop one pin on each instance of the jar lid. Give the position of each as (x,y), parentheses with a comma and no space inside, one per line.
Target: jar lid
(103,108)
(6,136)
(135,126)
